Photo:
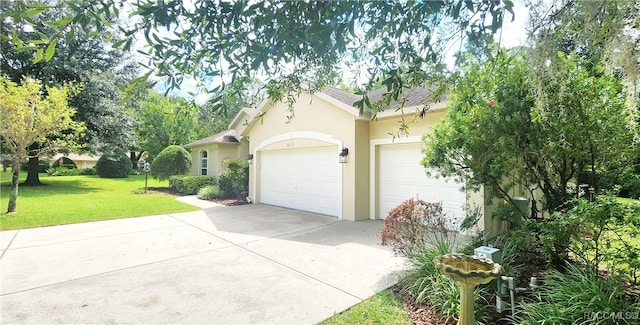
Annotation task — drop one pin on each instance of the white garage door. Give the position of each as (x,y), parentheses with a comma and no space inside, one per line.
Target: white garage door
(401,177)
(308,179)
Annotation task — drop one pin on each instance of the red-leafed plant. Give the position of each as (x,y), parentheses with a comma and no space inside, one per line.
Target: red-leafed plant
(412,224)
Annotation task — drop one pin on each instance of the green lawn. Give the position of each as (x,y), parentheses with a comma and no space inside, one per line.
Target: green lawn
(73,199)
(382,308)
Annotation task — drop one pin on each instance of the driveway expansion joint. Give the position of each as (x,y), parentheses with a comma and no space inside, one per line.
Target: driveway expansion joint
(243,247)
(10,242)
(93,238)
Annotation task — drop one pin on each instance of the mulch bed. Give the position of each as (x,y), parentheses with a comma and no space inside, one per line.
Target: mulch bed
(229,202)
(421,314)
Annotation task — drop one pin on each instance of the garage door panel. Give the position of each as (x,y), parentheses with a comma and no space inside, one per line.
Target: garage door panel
(401,177)
(304,178)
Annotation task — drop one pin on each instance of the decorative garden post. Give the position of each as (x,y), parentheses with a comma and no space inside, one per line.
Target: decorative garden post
(146,167)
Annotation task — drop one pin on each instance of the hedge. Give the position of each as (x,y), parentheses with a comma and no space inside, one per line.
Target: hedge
(190,184)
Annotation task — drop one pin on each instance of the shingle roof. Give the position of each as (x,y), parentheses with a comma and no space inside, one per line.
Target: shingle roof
(411,97)
(226,137)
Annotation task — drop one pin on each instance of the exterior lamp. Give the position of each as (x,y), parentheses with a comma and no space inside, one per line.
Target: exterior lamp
(344,153)
(250,158)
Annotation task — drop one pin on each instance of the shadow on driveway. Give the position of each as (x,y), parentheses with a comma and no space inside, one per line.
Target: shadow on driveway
(223,265)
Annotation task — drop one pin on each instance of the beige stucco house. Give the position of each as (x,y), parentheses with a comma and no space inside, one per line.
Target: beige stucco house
(81,160)
(296,157)
(210,155)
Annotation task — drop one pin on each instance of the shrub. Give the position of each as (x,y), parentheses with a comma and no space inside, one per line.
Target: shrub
(414,224)
(424,283)
(190,184)
(602,232)
(113,166)
(575,297)
(172,160)
(62,171)
(210,192)
(87,171)
(66,162)
(234,182)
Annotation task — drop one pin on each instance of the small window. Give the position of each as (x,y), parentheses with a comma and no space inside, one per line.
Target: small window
(204,157)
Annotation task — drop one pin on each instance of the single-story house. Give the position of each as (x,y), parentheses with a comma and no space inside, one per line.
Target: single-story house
(323,156)
(81,160)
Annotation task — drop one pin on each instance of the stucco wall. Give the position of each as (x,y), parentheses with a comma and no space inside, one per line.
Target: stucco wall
(381,127)
(380,130)
(315,122)
(216,153)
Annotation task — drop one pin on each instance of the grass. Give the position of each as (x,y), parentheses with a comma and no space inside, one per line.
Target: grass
(382,308)
(74,199)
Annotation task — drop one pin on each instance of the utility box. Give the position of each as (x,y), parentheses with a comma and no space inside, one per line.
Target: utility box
(490,253)
(521,211)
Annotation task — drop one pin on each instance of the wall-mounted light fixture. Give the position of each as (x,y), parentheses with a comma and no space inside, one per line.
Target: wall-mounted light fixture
(250,158)
(344,154)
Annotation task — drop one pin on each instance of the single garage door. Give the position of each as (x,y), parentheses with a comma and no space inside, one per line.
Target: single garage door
(308,179)
(401,177)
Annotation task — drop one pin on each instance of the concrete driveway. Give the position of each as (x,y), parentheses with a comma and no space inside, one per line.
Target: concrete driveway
(251,264)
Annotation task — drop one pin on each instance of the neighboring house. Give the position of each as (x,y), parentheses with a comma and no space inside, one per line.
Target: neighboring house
(296,163)
(81,160)
(210,155)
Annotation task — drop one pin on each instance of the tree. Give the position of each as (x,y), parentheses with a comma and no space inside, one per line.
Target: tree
(165,121)
(605,37)
(216,114)
(86,61)
(173,160)
(107,114)
(504,129)
(291,42)
(28,117)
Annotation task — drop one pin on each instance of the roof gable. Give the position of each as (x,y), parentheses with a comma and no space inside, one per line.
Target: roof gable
(225,137)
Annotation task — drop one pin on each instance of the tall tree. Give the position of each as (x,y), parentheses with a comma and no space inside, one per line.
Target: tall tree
(107,114)
(80,59)
(216,114)
(504,129)
(165,121)
(28,117)
(294,41)
(605,36)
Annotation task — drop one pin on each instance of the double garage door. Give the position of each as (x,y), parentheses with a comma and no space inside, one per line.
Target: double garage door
(308,179)
(400,176)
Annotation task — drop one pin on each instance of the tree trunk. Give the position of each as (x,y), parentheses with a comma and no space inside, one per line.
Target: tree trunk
(13,193)
(33,178)
(135,157)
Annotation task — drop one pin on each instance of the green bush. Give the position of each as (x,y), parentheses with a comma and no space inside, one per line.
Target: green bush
(234,182)
(66,162)
(575,297)
(190,184)
(631,187)
(413,224)
(602,232)
(87,171)
(113,166)
(64,171)
(210,192)
(172,160)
